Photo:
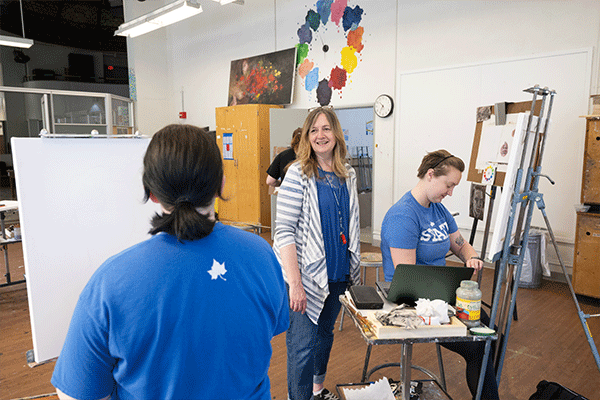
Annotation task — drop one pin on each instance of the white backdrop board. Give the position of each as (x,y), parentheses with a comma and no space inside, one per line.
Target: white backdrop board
(80,202)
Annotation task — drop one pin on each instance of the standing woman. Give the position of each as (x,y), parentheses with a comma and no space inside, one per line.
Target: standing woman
(418,229)
(317,242)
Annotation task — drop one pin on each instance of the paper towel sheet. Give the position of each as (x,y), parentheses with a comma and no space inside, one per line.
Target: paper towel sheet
(380,390)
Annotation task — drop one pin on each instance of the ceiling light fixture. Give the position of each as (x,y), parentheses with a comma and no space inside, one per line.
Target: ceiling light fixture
(167,15)
(241,2)
(16,41)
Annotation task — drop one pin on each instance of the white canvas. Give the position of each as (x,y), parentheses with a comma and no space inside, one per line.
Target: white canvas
(80,202)
(504,203)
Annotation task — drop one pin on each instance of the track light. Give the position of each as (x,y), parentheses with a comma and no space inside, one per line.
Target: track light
(167,15)
(15,41)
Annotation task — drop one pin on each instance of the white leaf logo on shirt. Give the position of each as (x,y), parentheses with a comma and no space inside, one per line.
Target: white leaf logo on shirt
(217,270)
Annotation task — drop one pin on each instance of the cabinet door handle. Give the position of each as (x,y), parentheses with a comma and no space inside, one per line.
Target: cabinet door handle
(235,162)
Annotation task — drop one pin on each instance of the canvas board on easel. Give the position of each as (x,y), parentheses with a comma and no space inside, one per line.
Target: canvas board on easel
(81,201)
(501,145)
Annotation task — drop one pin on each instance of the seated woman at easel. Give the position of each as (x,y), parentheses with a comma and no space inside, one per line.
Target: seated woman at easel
(418,229)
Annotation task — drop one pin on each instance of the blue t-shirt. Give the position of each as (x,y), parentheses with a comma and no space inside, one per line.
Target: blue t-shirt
(171,320)
(409,225)
(334,207)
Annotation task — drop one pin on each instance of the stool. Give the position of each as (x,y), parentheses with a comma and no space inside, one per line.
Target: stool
(370,260)
(441,380)
(367,260)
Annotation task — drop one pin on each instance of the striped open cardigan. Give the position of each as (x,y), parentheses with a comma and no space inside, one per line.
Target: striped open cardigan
(298,222)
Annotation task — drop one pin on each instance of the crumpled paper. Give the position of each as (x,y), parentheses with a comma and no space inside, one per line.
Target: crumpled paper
(433,312)
(400,316)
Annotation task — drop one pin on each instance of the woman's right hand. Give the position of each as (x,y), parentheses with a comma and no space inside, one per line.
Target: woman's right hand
(297,298)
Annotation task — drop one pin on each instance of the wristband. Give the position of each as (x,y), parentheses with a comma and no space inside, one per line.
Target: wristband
(476,258)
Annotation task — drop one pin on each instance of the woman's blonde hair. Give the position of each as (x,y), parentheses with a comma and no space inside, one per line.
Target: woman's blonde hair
(305,154)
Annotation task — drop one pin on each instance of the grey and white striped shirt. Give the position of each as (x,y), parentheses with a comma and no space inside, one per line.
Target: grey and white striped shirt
(298,222)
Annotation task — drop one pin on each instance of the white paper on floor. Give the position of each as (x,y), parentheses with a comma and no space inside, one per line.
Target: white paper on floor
(379,390)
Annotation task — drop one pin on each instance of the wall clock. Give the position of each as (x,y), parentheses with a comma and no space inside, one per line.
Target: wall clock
(384,105)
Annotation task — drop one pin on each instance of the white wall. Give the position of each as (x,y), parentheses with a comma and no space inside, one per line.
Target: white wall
(400,36)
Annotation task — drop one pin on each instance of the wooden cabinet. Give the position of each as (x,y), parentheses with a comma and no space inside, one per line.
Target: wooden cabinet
(586,268)
(590,187)
(586,265)
(243,136)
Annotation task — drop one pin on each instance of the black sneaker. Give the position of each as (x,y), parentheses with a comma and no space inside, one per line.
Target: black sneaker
(326,395)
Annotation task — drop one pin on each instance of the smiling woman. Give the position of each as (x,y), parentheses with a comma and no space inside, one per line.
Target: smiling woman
(317,242)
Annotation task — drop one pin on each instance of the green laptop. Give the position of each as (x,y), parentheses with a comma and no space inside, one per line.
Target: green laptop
(412,282)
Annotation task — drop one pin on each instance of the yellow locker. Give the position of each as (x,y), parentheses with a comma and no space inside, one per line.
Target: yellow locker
(243,136)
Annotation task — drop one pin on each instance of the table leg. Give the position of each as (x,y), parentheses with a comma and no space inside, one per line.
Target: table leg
(406,361)
(367,356)
(4,246)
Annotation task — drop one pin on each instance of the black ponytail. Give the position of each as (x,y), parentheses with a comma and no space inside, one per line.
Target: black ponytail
(184,171)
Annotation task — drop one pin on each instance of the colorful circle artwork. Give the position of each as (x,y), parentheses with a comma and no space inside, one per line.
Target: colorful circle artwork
(325,61)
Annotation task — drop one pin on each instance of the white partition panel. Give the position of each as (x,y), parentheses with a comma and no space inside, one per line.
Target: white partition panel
(80,202)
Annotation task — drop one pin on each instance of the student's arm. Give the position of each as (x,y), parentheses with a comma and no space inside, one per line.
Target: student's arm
(272,181)
(63,396)
(465,251)
(403,256)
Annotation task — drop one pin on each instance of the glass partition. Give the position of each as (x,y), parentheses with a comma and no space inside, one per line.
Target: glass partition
(78,114)
(67,112)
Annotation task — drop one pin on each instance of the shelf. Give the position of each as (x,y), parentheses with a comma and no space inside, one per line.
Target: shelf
(76,124)
(9,241)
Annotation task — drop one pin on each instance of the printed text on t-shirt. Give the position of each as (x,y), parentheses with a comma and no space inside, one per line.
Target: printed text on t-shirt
(435,234)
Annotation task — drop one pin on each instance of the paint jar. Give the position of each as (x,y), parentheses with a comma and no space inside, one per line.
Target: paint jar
(468,303)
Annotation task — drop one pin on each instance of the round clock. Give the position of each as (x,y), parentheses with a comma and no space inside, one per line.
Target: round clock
(384,105)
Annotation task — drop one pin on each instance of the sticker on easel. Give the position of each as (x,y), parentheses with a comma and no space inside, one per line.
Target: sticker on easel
(489,174)
(228,146)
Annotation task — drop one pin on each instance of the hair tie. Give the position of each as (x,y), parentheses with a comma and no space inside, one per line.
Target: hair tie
(442,160)
(183,200)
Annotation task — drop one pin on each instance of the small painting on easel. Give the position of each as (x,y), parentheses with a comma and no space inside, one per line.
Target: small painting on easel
(477,203)
(496,142)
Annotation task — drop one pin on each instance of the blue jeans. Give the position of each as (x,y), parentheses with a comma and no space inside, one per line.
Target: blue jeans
(309,345)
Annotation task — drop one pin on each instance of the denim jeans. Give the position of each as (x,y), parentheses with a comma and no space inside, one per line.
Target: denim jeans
(309,345)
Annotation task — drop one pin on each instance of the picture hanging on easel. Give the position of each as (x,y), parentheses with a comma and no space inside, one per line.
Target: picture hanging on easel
(264,79)
(477,201)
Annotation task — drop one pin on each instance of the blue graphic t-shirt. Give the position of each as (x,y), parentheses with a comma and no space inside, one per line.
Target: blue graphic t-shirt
(409,225)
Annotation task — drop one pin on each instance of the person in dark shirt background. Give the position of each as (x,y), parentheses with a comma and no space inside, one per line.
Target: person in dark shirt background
(277,169)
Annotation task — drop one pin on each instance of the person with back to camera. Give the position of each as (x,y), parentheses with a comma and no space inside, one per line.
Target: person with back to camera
(181,315)
(418,229)
(317,242)
(281,162)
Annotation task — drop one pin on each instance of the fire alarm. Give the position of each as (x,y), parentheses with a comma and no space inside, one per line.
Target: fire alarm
(182,115)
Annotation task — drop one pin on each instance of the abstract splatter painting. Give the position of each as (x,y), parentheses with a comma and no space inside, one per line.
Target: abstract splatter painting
(330,45)
(264,79)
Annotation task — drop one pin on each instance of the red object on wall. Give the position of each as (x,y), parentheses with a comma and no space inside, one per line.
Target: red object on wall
(182,114)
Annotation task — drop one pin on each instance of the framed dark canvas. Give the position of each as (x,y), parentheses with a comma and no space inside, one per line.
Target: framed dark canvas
(264,79)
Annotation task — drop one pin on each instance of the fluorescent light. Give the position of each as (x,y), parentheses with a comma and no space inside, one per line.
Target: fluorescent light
(15,41)
(167,15)
(230,1)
